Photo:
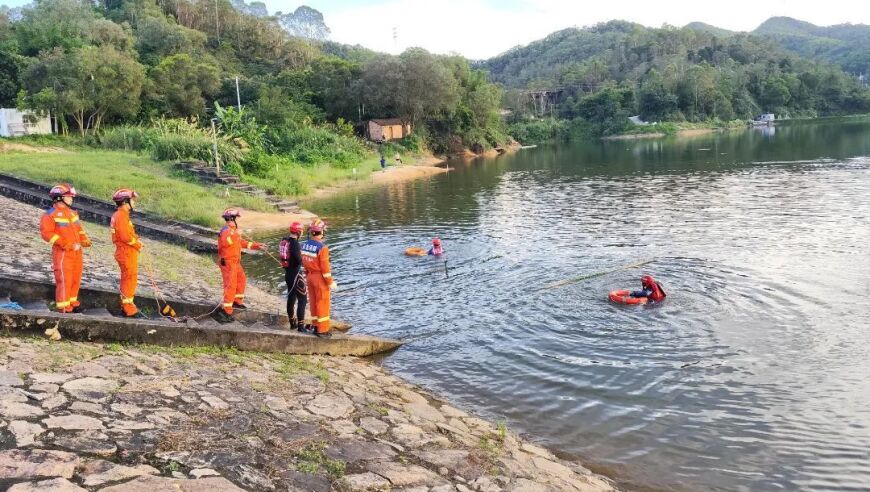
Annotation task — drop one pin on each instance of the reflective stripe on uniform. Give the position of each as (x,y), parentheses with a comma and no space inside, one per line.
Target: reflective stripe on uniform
(53,239)
(63,304)
(73,299)
(229,240)
(321,320)
(126,300)
(132,242)
(309,254)
(327,275)
(61,220)
(228,304)
(240,296)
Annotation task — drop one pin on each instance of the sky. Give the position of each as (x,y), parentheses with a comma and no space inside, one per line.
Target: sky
(481,29)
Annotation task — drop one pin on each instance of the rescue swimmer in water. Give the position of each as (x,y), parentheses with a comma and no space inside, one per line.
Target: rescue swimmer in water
(651,291)
(435,250)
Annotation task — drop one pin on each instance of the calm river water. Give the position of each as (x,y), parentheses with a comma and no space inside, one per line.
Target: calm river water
(753,375)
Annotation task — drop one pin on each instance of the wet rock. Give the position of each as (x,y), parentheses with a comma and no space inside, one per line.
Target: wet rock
(363,482)
(452,412)
(96,390)
(537,451)
(405,475)
(452,459)
(88,442)
(26,464)
(203,472)
(356,450)
(86,407)
(249,476)
(331,406)
(54,485)
(153,484)
(25,433)
(17,410)
(99,472)
(10,378)
(373,425)
(425,411)
(73,422)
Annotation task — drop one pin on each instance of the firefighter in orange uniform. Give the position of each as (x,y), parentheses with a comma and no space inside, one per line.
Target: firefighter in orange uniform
(318,275)
(230,244)
(127,247)
(61,228)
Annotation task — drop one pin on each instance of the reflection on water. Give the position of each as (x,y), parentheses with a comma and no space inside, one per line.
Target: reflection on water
(753,375)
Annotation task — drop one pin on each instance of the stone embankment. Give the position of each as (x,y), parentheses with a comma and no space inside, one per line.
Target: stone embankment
(78,416)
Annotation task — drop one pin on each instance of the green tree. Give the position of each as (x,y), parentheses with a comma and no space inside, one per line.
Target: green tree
(88,83)
(10,67)
(47,24)
(180,86)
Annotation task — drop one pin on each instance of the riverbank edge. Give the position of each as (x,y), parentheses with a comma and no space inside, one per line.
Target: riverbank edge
(425,426)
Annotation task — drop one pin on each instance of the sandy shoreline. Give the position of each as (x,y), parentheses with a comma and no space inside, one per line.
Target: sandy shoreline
(681,133)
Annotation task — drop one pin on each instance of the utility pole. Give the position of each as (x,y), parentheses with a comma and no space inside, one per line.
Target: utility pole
(217,162)
(217,26)
(238,97)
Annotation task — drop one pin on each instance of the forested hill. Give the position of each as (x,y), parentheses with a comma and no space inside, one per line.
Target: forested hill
(678,73)
(847,45)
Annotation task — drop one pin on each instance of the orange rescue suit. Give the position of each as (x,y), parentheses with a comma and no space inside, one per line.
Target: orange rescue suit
(61,228)
(318,275)
(230,244)
(127,247)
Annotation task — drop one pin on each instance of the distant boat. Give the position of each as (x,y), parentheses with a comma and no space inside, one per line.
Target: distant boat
(766,119)
(528,146)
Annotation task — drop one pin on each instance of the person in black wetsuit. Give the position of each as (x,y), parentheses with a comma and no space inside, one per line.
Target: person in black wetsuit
(297,292)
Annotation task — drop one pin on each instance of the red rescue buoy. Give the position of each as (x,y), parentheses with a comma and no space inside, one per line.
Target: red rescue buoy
(623,297)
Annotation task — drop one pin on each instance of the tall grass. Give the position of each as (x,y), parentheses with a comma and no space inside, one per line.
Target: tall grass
(99,173)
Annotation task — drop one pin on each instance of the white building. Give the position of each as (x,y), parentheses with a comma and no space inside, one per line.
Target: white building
(15,123)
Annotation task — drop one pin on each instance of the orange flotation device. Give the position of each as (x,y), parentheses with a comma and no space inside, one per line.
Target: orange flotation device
(624,297)
(414,251)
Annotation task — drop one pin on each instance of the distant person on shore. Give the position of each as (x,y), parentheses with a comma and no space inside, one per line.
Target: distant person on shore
(398,159)
(291,259)
(230,245)
(383,162)
(652,290)
(62,229)
(318,274)
(436,249)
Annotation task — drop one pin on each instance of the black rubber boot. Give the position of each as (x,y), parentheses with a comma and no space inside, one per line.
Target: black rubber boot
(239,306)
(222,317)
(78,310)
(294,324)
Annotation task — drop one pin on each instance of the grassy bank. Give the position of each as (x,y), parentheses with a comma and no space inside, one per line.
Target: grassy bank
(98,173)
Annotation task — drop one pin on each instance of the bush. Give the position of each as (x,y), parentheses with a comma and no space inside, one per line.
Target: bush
(534,132)
(317,145)
(128,138)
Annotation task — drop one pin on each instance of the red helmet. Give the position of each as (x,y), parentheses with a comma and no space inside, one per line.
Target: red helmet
(60,190)
(317,226)
(296,228)
(647,281)
(436,242)
(124,194)
(231,213)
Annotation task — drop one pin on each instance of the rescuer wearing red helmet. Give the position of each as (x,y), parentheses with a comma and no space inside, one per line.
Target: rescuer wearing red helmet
(127,247)
(62,229)
(291,259)
(436,249)
(652,290)
(230,245)
(318,273)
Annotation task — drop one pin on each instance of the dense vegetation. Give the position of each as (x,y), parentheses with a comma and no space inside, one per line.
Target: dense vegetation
(610,71)
(150,76)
